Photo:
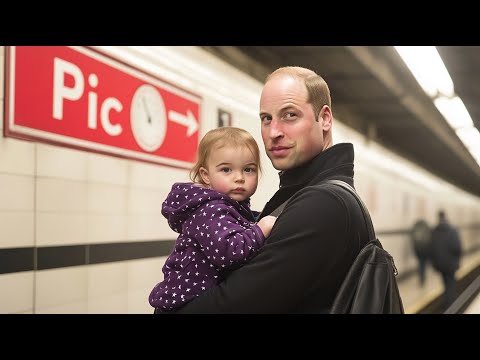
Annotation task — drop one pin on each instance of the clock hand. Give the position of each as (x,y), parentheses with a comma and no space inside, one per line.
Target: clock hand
(147,111)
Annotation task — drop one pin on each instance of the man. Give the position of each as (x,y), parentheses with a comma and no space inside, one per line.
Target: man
(421,234)
(446,250)
(319,233)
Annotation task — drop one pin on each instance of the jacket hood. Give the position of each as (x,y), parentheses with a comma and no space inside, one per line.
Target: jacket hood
(185,198)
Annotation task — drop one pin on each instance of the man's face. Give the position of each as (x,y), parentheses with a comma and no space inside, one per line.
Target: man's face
(290,132)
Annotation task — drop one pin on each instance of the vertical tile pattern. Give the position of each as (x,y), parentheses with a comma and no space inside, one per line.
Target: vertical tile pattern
(108,288)
(58,287)
(16,229)
(16,291)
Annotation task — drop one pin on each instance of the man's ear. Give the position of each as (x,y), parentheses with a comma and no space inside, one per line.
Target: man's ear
(205,176)
(325,117)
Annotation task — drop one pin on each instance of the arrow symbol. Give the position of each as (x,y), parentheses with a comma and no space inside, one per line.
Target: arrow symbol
(186,120)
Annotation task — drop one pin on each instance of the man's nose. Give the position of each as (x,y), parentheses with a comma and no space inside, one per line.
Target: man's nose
(275,129)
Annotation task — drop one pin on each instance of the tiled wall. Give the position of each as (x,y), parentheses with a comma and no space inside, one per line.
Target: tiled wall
(52,196)
(56,197)
(82,232)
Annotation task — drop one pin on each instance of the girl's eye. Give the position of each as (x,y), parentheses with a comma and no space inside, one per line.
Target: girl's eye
(249,170)
(225,170)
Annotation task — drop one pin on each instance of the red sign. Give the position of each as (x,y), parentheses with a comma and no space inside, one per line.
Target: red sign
(81,98)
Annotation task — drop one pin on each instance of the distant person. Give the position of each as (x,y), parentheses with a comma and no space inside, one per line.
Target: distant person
(446,251)
(217,228)
(421,241)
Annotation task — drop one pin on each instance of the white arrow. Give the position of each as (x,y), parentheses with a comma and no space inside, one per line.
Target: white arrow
(185,120)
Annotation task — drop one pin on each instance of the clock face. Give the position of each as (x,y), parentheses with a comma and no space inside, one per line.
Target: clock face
(148,118)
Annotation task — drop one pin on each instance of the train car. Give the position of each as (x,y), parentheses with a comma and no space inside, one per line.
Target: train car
(80,212)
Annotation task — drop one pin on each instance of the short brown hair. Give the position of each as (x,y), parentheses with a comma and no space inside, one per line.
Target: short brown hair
(220,137)
(317,88)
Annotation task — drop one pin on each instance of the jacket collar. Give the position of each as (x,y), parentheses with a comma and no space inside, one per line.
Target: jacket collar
(336,160)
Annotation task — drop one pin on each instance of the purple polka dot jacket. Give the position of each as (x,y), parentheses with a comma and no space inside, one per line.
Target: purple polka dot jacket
(217,234)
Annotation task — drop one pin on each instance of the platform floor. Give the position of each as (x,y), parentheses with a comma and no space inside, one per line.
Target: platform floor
(474,307)
(415,297)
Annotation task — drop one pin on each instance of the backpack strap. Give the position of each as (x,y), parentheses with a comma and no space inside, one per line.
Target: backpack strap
(366,214)
(279,209)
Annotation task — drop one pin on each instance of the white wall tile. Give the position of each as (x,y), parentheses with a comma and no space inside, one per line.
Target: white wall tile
(149,227)
(155,176)
(60,162)
(16,229)
(58,287)
(138,302)
(107,279)
(106,228)
(16,156)
(107,199)
(16,192)
(16,292)
(107,169)
(76,307)
(106,289)
(145,201)
(145,273)
(57,228)
(109,304)
(60,195)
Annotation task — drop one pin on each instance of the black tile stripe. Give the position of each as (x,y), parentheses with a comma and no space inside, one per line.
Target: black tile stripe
(60,256)
(101,253)
(50,257)
(16,259)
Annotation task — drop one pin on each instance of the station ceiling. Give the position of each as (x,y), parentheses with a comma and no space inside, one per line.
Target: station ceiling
(374,92)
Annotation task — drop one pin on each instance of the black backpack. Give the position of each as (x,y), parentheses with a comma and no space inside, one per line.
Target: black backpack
(370,286)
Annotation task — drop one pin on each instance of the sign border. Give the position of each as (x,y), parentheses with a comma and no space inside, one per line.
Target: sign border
(25,133)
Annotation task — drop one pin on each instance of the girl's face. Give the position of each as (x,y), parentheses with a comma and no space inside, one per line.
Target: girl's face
(232,171)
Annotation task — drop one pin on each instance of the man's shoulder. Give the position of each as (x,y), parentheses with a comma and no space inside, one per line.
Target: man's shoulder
(317,189)
(330,188)
(324,196)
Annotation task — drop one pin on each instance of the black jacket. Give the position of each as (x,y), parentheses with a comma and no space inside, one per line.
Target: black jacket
(309,251)
(446,248)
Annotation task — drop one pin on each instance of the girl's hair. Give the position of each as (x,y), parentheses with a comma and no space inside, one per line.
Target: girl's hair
(317,88)
(218,138)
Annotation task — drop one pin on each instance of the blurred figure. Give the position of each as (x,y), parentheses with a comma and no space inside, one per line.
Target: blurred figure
(446,251)
(421,241)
